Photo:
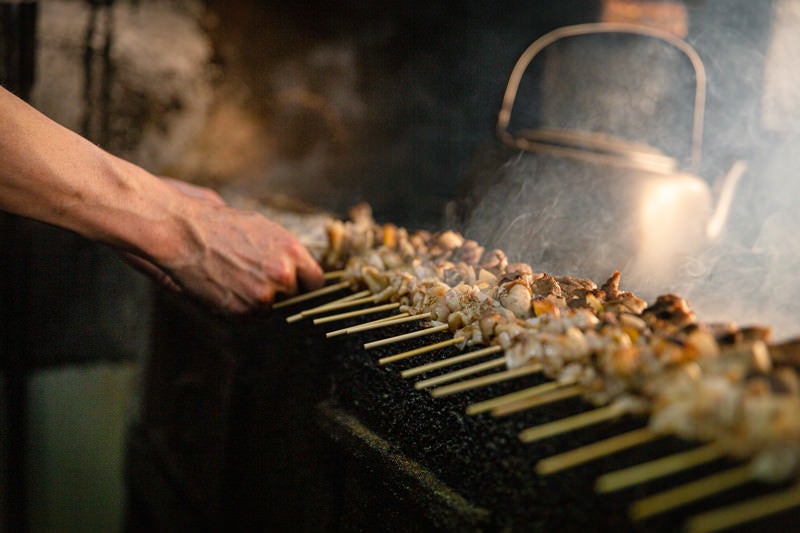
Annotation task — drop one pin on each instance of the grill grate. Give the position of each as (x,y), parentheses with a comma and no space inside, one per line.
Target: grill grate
(530,449)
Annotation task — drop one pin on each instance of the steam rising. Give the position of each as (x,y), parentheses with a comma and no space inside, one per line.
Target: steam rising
(752,273)
(748,274)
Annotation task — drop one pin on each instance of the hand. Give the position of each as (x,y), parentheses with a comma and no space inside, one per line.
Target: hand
(235,260)
(195,191)
(182,235)
(239,260)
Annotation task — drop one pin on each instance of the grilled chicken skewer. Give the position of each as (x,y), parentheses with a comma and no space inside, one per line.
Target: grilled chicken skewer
(648,359)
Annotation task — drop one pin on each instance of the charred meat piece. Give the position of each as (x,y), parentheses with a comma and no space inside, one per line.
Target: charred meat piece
(669,313)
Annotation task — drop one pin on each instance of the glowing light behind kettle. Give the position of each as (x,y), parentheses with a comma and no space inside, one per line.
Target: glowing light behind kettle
(673,215)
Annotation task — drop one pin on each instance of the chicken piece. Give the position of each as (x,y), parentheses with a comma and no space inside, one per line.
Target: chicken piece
(668,314)
(616,301)
(466,303)
(570,286)
(490,319)
(375,280)
(449,240)
(611,286)
(517,270)
(494,261)
(455,273)
(516,297)
(472,334)
(524,350)
(333,257)
(484,276)
(546,285)
(399,284)
(547,306)
(470,252)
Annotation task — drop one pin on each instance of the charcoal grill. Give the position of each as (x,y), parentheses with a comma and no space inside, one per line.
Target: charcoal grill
(267,425)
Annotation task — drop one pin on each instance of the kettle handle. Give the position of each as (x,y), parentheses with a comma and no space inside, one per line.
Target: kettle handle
(504,116)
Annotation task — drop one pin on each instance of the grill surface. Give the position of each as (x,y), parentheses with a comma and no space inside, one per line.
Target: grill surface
(313,433)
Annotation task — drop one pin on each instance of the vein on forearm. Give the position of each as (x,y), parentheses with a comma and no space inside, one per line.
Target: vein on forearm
(50,173)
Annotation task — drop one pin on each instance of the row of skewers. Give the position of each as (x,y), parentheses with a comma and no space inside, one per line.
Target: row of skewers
(721,385)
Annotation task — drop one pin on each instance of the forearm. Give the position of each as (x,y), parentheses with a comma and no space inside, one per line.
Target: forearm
(51,174)
(235,260)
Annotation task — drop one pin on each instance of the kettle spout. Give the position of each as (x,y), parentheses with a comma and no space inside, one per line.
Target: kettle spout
(726,193)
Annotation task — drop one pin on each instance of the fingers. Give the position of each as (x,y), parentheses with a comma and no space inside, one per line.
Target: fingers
(284,279)
(238,261)
(309,273)
(152,270)
(299,271)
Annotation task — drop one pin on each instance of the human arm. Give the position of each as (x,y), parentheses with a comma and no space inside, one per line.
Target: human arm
(236,260)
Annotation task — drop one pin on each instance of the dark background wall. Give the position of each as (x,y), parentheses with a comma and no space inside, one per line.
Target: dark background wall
(396,102)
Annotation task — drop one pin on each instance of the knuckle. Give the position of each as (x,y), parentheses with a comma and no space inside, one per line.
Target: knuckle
(285,273)
(267,294)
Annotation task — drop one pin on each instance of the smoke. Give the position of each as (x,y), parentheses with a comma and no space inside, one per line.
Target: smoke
(750,275)
(551,213)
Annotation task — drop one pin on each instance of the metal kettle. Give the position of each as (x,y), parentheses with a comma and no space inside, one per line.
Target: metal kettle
(639,212)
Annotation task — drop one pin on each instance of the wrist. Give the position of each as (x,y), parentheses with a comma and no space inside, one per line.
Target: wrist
(138,212)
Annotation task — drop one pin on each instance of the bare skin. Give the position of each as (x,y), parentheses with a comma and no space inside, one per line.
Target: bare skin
(184,236)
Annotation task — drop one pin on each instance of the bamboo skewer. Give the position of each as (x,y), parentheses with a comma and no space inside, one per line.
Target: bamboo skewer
(417,370)
(356,298)
(460,373)
(384,321)
(595,450)
(644,472)
(418,351)
(690,492)
(483,381)
(348,301)
(312,294)
(359,312)
(389,321)
(332,303)
(334,274)
(372,324)
(740,513)
(406,336)
(557,393)
(570,423)
(498,401)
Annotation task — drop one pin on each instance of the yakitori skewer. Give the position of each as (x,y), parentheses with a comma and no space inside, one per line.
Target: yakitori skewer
(606,339)
(418,351)
(357,298)
(400,318)
(343,303)
(690,492)
(664,466)
(386,321)
(484,381)
(511,397)
(460,373)
(406,336)
(334,274)
(353,314)
(570,423)
(743,512)
(328,289)
(556,392)
(450,361)
(595,450)
(327,306)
